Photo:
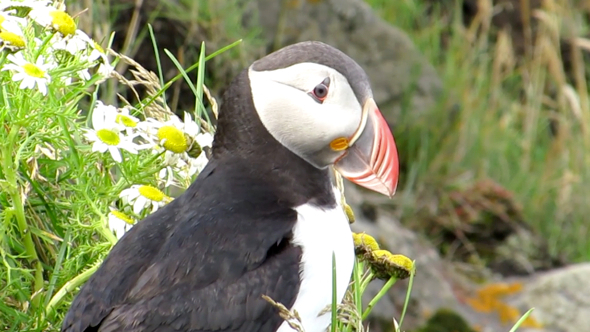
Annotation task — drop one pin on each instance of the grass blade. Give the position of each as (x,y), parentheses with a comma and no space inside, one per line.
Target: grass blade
(522,319)
(407,301)
(158,62)
(334,295)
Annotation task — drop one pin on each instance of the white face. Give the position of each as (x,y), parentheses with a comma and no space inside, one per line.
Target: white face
(299,121)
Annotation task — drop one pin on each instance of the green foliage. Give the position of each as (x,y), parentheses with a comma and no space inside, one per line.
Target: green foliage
(518,118)
(446,321)
(72,168)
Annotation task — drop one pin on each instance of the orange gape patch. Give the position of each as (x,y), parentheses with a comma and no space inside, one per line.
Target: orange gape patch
(339,144)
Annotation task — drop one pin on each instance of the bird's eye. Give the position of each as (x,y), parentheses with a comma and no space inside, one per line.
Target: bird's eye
(320,92)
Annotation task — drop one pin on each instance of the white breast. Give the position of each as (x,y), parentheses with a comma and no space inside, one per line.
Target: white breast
(320,232)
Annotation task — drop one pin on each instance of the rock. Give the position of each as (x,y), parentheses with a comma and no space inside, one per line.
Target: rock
(448,291)
(431,290)
(561,298)
(401,78)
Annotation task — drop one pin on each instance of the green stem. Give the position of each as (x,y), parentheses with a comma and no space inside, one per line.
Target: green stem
(378,297)
(70,286)
(407,301)
(358,277)
(108,234)
(57,267)
(369,276)
(104,230)
(334,294)
(9,167)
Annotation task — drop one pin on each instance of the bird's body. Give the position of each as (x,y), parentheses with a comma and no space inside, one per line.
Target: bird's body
(260,219)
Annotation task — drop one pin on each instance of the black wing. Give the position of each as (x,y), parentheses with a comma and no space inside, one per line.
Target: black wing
(201,263)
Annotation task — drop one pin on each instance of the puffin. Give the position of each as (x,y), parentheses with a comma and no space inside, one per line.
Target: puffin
(264,217)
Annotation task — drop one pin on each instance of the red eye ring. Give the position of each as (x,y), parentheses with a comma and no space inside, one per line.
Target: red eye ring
(320,92)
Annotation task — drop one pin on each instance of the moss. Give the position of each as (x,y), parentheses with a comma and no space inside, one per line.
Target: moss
(446,320)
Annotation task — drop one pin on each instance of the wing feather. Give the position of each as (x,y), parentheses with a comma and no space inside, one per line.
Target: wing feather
(201,263)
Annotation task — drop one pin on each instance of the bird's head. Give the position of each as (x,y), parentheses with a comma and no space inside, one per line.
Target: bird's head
(317,102)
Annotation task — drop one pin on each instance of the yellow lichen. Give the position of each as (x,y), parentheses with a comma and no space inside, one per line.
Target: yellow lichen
(489,299)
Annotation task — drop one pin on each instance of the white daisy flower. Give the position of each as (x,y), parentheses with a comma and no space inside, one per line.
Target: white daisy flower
(143,196)
(127,121)
(84,74)
(199,163)
(119,223)
(106,134)
(191,128)
(30,74)
(11,23)
(105,70)
(187,167)
(25,3)
(205,139)
(54,18)
(76,44)
(96,51)
(174,135)
(166,177)
(11,40)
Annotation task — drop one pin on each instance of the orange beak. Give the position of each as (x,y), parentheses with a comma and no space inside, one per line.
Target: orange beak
(371,160)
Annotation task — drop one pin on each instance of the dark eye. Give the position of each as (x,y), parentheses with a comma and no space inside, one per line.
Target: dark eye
(320,92)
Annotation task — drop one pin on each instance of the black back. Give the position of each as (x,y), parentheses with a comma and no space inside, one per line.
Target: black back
(202,262)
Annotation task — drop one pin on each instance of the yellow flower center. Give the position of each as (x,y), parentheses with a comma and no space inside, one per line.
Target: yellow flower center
(123,216)
(34,71)
(152,193)
(172,139)
(109,137)
(126,121)
(63,22)
(12,38)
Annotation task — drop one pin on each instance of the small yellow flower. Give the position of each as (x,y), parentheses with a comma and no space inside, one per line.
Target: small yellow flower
(123,217)
(56,19)
(108,136)
(63,22)
(151,193)
(172,139)
(349,213)
(12,39)
(126,120)
(119,223)
(386,265)
(364,243)
(143,196)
